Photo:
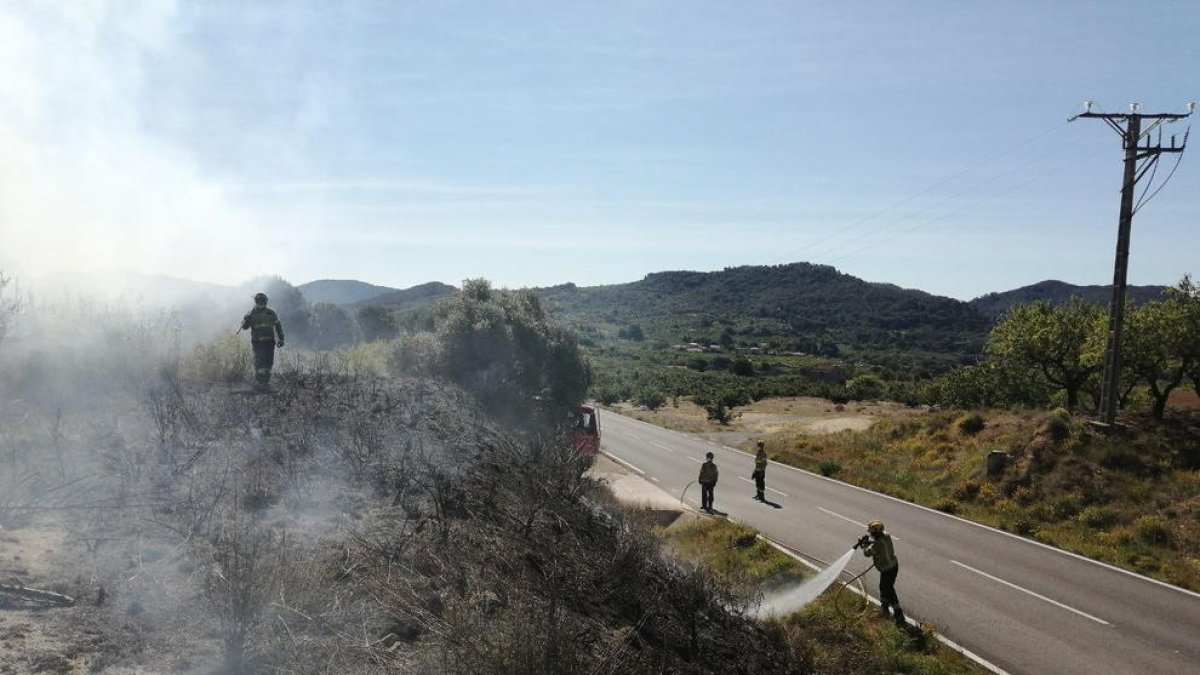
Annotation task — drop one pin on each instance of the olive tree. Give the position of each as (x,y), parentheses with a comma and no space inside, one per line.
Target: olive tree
(502,345)
(1161,344)
(1063,344)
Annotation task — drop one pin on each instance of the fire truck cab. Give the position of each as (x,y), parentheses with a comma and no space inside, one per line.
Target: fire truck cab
(586,430)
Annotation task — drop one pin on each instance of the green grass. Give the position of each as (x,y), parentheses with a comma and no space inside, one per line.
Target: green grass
(822,638)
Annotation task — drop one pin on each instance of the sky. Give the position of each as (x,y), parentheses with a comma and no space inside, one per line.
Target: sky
(924,144)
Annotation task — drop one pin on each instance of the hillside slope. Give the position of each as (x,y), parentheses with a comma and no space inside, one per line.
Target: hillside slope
(798,300)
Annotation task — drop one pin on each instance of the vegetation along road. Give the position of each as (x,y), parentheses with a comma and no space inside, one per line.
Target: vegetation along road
(1022,606)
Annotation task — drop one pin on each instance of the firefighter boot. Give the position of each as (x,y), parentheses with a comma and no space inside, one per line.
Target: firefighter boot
(900,622)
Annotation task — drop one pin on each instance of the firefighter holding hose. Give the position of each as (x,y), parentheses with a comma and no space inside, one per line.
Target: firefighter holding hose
(877,545)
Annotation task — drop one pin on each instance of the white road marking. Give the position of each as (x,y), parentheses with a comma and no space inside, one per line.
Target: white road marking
(1039,596)
(838,515)
(624,462)
(694,459)
(660,445)
(778,492)
(653,479)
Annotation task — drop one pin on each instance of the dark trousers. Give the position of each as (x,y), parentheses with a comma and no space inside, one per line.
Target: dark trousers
(264,359)
(706,495)
(760,483)
(887,587)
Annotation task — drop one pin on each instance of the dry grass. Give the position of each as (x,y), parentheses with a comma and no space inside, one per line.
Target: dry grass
(799,414)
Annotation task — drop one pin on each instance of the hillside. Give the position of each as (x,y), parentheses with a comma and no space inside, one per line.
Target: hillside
(341,291)
(795,306)
(410,298)
(1057,293)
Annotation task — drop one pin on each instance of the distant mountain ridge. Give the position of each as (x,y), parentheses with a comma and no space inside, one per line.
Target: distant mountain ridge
(416,297)
(341,291)
(1057,293)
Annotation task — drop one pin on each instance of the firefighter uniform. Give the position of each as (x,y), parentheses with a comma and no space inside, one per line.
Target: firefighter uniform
(708,482)
(883,554)
(263,324)
(760,473)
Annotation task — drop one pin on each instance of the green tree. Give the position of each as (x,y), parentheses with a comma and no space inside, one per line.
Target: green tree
(1160,343)
(1062,344)
(866,387)
(650,398)
(503,346)
(377,323)
(742,366)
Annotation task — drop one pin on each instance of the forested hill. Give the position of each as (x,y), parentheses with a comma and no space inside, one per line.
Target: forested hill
(812,308)
(1057,293)
(410,298)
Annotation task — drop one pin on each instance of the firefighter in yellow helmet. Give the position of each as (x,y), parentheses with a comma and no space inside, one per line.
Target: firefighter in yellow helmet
(878,547)
(264,326)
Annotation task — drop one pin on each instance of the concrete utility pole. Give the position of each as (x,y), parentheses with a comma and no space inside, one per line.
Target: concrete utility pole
(1131,134)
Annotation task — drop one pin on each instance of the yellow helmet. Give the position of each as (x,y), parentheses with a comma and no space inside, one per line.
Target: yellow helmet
(875,526)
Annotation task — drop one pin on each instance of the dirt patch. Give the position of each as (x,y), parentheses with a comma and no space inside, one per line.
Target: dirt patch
(798,414)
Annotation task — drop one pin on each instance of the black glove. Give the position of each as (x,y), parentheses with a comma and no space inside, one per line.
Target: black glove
(863,541)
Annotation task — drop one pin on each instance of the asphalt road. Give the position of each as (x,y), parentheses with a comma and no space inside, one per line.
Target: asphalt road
(1022,606)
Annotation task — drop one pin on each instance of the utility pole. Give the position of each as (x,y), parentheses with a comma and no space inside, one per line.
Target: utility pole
(1147,155)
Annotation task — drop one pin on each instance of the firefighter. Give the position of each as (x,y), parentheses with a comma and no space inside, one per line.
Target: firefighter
(264,326)
(760,472)
(879,548)
(708,482)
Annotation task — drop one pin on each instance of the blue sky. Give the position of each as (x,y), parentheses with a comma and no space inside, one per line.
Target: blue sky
(918,143)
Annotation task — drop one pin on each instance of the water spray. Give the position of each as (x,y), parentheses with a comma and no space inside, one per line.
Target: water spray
(681,494)
(799,596)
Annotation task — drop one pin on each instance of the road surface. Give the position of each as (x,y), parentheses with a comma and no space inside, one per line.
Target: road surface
(1022,606)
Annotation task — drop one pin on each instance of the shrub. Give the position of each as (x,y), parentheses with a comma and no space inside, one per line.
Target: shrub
(946,505)
(650,398)
(1097,517)
(226,360)
(1066,506)
(1120,457)
(1153,530)
(966,491)
(971,424)
(865,388)
(830,468)
(608,396)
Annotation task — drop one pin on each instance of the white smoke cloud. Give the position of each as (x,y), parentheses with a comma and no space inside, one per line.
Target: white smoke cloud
(83,186)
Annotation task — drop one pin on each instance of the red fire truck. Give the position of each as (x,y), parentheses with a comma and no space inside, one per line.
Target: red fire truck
(586,432)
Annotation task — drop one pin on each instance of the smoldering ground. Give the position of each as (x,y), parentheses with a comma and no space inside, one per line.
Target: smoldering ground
(346,523)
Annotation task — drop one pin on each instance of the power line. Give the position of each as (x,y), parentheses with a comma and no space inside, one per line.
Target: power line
(963,208)
(804,249)
(973,188)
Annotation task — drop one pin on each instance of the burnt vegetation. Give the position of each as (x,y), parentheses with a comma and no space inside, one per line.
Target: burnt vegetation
(430,519)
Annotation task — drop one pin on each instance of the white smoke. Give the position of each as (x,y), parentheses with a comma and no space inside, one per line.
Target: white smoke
(83,186)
